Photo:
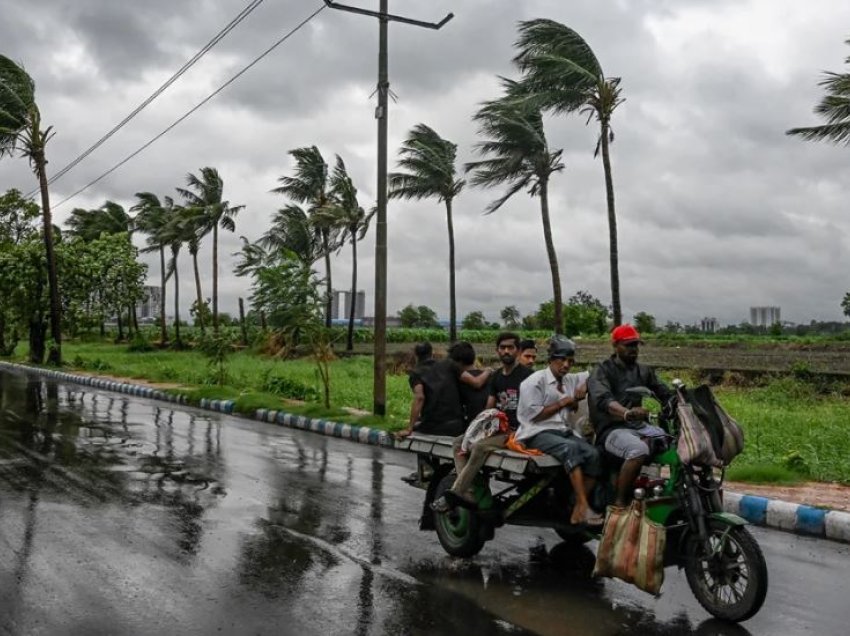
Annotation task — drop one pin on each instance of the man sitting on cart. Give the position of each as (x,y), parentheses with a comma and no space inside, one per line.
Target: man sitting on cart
(547,399)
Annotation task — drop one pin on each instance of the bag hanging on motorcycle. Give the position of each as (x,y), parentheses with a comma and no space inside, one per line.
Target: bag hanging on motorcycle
(632,548)
(726,434)
(694,445)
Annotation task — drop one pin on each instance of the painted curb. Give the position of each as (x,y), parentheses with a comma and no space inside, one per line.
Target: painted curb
(361,434)
(760,511)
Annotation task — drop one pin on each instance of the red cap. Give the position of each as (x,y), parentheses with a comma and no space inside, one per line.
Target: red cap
(624,333)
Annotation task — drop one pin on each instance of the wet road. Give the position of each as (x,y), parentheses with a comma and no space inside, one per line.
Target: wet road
(125,516)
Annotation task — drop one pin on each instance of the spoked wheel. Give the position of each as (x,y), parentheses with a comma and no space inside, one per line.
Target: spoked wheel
(460,531)
(730,579)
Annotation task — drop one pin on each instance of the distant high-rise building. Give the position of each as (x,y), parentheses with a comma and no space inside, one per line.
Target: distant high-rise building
(708,325)
(764,316)
(151,302)
(341,305)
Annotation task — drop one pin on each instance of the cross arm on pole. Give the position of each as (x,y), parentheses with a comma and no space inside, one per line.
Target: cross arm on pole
(389,16)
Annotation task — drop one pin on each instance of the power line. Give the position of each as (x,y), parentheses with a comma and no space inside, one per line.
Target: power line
(292,32)
(179,73)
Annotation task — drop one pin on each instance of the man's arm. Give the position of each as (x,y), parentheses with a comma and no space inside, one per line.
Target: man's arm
(415,409)
(476,381)
(599,388)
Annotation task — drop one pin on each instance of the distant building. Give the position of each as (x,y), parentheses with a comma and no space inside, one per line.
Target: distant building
(341,305)
(764,316)
(708,325)
(150,305)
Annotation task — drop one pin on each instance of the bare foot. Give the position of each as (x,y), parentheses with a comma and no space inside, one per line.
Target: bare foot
(579,511)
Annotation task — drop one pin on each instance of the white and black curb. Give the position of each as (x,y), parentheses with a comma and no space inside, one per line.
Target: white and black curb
(760,511)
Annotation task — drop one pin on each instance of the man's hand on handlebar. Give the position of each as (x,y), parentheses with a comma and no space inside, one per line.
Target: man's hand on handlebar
(637,414)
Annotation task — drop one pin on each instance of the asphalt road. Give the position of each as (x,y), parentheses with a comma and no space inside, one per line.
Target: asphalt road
(125,516)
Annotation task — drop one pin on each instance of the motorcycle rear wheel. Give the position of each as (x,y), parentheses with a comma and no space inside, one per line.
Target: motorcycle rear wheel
(730,581)
(460,531)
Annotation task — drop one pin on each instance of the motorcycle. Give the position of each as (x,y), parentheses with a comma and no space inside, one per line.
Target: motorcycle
(723,563)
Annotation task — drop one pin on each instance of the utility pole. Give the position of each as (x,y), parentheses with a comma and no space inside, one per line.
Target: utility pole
(379,402)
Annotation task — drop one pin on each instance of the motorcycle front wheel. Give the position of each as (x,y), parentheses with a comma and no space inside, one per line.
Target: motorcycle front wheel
(729,575)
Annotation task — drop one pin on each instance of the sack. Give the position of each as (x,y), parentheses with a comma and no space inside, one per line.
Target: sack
(632,548)
(733,436)
(486,423)
(694,445)
(727,436)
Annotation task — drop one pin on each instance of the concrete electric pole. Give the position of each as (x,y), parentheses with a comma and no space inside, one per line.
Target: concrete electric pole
(379,402)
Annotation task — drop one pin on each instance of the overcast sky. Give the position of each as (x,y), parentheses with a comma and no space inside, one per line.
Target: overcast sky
(718,209)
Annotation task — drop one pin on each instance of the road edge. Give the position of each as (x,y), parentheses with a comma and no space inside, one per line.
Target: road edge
(801,519)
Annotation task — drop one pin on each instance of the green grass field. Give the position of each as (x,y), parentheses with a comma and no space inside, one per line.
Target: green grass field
(794,430)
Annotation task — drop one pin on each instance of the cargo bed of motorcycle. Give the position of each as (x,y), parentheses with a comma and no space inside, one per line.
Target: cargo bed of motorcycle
(441,446)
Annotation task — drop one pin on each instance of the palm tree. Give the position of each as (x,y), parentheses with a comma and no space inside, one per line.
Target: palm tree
(193,226)
(516,153)
(291,231)
(834,108)
(429,164)
(206,193)
(310,187)
(346,214)
(562,74)
(20,131)
(172,235)
(110,218)
(151,219)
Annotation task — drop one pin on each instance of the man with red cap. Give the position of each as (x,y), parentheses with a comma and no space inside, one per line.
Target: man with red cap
(619,419)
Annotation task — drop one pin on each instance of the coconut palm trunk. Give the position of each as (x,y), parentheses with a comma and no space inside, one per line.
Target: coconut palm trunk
(215,281)
(54,355)
(553,257)
(177,341)
(198,293)
(163,327)
(329,300)
(612,227)
(452,296)
(349,344)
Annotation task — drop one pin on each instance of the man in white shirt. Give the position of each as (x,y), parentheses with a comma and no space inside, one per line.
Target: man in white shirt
(548,401)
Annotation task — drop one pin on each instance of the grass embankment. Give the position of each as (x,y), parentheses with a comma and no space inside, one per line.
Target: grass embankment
(794,429)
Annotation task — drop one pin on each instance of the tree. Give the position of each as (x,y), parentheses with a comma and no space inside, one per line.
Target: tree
(475,320)
(192,226)
(173,234)
(834,108)
(310,187)
(17,225)
(845,304)
(422,316)
(583,314)
(345,215)
(206,193)
(291,232)
(511,318)
(428,162)
(152,219)
(516,153)
(20,131)
(644,322)
(563,74)
(110,218)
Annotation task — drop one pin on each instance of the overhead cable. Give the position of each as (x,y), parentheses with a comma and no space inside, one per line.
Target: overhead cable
(179,73)
(185,116)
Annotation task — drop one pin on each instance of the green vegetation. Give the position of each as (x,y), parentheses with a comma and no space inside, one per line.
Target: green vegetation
(796,427)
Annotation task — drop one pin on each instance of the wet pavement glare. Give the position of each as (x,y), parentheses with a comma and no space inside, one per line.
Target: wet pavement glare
(122,515)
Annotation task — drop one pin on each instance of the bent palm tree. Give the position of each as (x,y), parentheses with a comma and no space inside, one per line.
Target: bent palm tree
(346,214)
(151,219)
(310,187)
(516,153)
(562,74)
(834,108)
(291,231)
(110,218)
(172,235)
(206,193)
(429,164)
(20,131)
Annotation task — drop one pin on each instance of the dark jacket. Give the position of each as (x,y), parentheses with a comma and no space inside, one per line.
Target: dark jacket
(442,413)
(608,383)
